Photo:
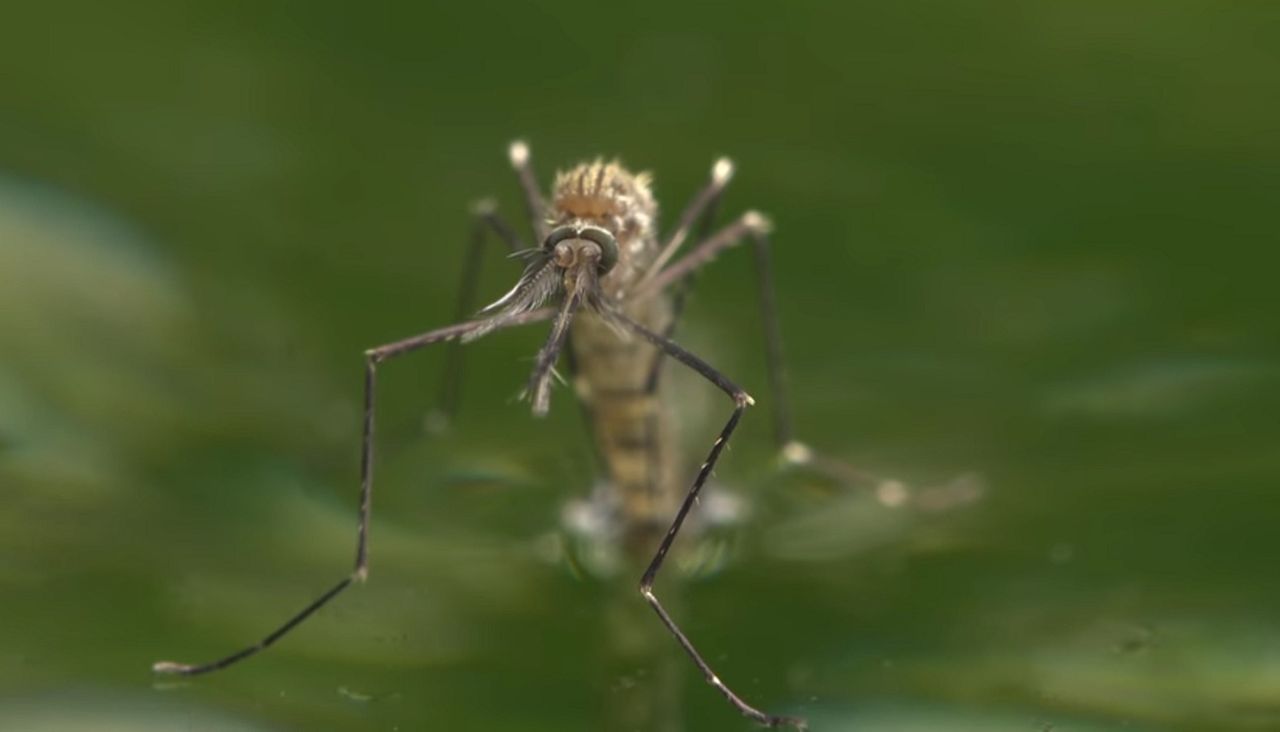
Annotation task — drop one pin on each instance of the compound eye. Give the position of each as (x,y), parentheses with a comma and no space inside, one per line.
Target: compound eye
(608,246)
(558,235)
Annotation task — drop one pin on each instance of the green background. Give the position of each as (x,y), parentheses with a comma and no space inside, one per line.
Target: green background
(1029,243)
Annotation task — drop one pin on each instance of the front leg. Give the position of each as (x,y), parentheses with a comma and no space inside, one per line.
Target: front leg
(741,400)
(372,358)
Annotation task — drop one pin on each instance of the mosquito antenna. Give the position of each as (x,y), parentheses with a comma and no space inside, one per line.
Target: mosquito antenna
(584,289)
(537,285)
(539,388)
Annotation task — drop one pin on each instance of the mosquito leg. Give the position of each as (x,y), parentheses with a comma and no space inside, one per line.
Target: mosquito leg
(703,204)
(727,236)
(534,205)
(485,218)
(781,407)
(751,225)
(679,298)
(681,290)
(793,451)
(372,358)
(708,204)
(678,276)
(741,400)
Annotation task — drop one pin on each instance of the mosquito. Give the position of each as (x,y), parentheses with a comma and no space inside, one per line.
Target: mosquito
(614,291)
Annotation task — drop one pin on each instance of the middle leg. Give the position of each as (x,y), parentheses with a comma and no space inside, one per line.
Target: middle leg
(756,228)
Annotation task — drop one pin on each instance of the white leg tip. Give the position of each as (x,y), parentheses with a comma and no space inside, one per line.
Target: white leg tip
(797,453)
(519,153)
(721,172)
(757,221)
(893,494)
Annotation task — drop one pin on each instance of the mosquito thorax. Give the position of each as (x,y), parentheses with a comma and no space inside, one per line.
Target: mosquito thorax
(605,193)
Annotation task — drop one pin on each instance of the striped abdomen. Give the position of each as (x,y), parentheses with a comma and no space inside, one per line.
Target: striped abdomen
(630,422)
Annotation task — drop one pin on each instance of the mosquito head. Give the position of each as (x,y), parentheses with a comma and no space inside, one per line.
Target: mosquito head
(571,247)
(567,266)
(575,257)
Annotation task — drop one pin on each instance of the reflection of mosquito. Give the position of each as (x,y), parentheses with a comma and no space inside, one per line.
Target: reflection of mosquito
(613,286)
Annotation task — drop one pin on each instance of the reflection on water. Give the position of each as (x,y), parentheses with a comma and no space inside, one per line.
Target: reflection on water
(101,711)
(84,315)
(1171,387)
